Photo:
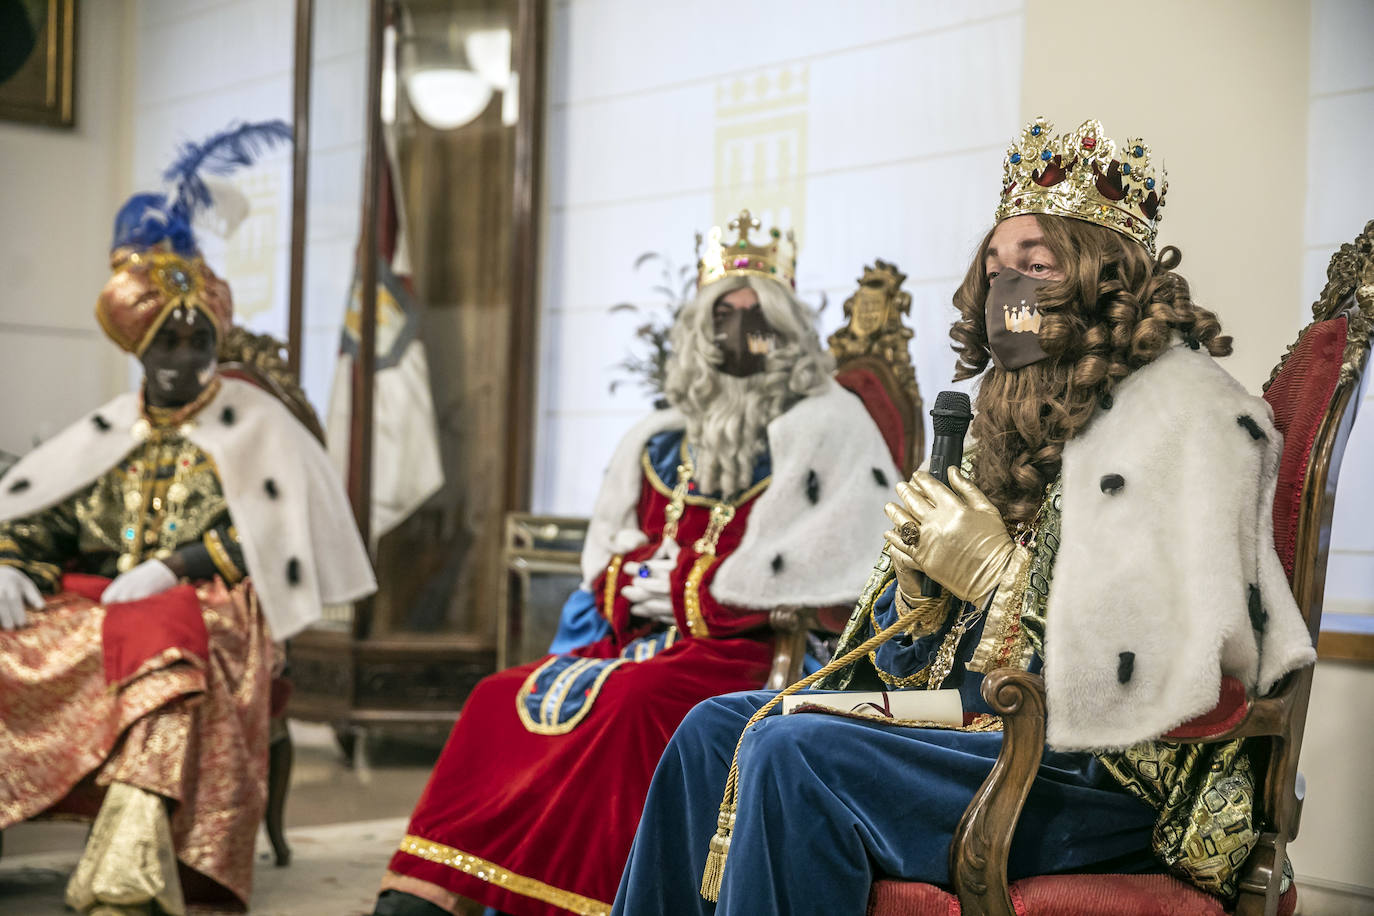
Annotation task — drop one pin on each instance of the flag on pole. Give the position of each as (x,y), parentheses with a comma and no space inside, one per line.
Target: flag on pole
(406,464)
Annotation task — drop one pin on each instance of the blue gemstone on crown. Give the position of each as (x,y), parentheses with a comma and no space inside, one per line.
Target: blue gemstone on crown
(1125,168)
(1046,155)
(1149,184)
(1035,131)
(1015,158)
(1138,151)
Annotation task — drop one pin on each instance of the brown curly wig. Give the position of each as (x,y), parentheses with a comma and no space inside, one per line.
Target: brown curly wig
(1113,313)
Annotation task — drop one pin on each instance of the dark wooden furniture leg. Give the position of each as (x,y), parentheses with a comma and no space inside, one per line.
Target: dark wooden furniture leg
(280,756)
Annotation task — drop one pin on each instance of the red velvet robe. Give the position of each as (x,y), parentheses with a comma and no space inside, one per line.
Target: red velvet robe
(539,824)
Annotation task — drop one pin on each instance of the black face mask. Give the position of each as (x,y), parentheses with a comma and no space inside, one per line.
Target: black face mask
(1013,320)
(744,338)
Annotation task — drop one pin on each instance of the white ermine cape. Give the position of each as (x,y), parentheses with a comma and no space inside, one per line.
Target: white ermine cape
(825,445)
(1166,577)
(301,520)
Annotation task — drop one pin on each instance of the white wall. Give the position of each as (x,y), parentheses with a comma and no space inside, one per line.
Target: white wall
(202,64)
(875,133)
(59,190)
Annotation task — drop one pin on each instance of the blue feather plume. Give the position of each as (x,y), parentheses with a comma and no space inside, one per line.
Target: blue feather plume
(230,149)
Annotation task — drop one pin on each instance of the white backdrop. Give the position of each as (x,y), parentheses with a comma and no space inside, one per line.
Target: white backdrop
(877,135)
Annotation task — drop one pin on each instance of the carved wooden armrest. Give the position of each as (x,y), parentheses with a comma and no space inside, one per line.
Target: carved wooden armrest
(982,841)
(790,624)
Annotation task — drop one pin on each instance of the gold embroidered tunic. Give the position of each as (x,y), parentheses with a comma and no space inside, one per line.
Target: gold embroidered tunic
(163,497)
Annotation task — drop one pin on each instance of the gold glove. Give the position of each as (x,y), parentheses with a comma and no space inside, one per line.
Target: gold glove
(962,543)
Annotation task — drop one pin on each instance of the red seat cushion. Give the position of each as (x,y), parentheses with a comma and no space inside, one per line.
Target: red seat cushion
(1067,895)
(1300,396)
(885,414)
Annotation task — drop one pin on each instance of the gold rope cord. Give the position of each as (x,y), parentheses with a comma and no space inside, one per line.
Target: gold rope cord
(725,823)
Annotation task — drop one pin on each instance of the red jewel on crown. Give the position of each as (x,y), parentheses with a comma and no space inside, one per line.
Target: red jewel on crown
(1089,142)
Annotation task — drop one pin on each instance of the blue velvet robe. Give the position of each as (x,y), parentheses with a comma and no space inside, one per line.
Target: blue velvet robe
(827,803)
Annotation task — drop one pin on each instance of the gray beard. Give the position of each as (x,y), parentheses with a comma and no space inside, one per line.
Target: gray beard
(728,434)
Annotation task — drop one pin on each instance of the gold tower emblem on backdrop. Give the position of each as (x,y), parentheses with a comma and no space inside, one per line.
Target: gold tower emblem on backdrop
(760,145)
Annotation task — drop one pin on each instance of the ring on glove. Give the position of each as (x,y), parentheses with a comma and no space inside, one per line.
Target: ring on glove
(910,533)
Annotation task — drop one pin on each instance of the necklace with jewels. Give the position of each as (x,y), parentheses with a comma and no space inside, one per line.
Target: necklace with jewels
(152,518)
(722,511)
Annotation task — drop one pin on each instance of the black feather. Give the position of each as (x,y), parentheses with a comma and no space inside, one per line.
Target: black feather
(101,423)
(880,477)
(1125,666)
(227,416)
(270,486)
(1251,426)
(777,564)
(293,571)
(1112,483)
(20,485)
(813,487)
(230,149)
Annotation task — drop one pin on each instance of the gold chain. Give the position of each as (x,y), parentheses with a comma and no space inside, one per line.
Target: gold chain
(722,511)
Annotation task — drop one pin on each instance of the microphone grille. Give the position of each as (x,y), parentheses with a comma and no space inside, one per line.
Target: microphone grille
(952,413)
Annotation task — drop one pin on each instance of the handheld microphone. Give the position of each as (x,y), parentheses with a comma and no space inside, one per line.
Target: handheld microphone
(952,414)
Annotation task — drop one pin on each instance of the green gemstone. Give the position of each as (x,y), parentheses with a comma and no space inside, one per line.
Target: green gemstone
(743,244)
(774,233)
(772,270)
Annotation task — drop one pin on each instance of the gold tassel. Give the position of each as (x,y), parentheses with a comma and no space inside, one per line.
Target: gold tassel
(715,859)
(714,873)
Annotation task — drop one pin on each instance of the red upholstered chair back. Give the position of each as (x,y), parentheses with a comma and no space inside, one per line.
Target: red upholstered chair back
(872,360)
(1300,394)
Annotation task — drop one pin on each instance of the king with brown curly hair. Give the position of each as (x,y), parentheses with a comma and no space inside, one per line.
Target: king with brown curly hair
(1110,528)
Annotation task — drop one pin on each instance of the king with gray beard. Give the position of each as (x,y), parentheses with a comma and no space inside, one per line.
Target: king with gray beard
(727,414)
(761,484)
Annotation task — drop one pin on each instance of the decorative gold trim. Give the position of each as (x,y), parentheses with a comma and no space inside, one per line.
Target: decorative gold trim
(917,679)
(645,647)
(1350,274)
(983,722)
(494,874)
(1004,639)
(611,588)
(691,595)
(219,555)
(657,483)
(549,707)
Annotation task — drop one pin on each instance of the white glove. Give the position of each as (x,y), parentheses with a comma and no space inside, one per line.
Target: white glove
(627,539)
(148,578)
(649,594)
(16,592)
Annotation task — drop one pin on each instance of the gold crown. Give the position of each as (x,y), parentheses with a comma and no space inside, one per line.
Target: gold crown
(776,258)
(1081,176)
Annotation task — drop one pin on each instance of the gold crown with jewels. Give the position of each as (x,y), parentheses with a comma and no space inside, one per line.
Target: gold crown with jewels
(775,258)
(1084,175)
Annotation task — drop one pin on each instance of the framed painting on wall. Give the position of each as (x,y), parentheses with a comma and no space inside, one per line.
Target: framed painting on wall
(38,61)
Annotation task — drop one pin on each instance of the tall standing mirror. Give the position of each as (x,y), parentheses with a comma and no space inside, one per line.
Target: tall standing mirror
(420,128)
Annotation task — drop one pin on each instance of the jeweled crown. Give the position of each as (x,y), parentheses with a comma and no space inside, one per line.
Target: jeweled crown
(775,256)
(1084,175)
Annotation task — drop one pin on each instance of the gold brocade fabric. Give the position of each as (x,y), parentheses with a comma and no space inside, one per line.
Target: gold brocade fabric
(194,734)
(1205,796)
(164,495)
